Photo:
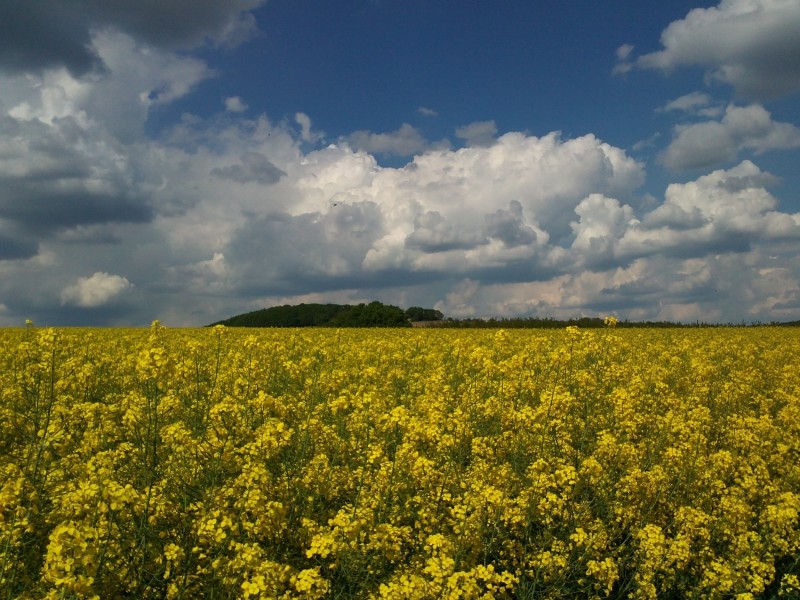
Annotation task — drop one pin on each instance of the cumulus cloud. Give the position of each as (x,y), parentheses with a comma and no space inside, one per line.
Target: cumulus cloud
(337,220)
(509,226)
(74,162)
(726,211)
(473,231)
(48,34)
(221,214)
(235,104)
(97,290)
(61,175)
(693,103)
(624,52)
(479,133)
(427,112)
(656,288)
(750,44)
(404,142)
(478,207)
(729,196)
(714,142)
(307,134)
(137,79)
(602,223)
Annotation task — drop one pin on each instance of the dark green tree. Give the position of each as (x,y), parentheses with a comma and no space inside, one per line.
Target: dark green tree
(417,313)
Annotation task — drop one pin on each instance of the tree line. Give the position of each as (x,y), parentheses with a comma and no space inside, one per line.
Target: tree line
(377,314)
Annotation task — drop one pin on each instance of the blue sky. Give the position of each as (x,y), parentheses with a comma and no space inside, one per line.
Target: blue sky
(528,66)
(188,161)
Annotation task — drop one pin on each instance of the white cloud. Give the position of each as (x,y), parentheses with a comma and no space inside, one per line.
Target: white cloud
(723,195)
(710,289)
(647,142)
(136,79)
(714,142)
(219,214)
(479,230)
(427,112)
(624,52)
(97,290)
(479,133)
(602,223)
(307,134)
(406,141)
(459,302)
(235,104)
(464,190)
(476,231)
(750,44)
(337,218)
(726,211)
(688,103)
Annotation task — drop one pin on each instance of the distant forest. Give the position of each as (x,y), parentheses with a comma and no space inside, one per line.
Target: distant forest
(377,314)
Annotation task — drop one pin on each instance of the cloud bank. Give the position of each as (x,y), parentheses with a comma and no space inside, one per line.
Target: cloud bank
(101,224)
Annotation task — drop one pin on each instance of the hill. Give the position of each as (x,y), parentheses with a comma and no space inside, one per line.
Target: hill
(374,314)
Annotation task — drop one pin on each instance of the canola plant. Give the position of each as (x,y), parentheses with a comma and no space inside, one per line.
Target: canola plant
(399,464)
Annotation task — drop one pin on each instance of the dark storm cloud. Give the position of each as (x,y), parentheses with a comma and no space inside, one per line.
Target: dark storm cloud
(39,207)
(40,151)
(178,23)
(38,34)
(75,316)
(794,304)
(12,248)
(53,177)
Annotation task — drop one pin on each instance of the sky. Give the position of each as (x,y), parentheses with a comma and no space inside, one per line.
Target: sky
(189,160)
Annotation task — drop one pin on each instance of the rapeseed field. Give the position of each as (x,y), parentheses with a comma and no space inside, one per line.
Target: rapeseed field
(399,464)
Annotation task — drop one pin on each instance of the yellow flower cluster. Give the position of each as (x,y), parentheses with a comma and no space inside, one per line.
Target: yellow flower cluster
(406,464)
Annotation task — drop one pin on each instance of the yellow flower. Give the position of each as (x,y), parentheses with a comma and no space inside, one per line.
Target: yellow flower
(310,583)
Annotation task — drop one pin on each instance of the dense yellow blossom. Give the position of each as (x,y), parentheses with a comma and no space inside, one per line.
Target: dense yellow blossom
(406,464)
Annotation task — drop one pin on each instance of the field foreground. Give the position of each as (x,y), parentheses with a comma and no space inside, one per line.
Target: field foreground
(399,463)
